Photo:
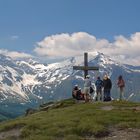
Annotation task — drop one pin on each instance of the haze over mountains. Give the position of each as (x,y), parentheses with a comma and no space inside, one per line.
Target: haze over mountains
(27,83)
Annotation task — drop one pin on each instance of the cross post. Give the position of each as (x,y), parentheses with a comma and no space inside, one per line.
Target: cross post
(85,68)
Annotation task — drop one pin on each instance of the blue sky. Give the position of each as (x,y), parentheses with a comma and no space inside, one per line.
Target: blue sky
(23,23)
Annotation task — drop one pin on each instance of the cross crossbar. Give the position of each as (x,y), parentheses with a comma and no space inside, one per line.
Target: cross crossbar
(85,68)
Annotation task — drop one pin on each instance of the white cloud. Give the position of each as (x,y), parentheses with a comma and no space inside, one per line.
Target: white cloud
(14,37)
(65,45)
(15,54)
(68,45)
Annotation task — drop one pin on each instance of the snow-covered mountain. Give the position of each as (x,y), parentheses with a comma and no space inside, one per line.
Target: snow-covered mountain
(31,82)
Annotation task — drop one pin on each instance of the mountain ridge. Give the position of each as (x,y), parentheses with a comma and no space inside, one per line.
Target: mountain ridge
(30,82)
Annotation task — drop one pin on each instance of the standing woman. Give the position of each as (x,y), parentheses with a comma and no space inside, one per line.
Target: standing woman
(107,85)
(121,85)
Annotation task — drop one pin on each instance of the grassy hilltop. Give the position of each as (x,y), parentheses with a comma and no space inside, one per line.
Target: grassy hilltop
(68,120)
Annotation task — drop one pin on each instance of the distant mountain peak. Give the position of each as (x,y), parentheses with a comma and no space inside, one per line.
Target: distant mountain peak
(32,79)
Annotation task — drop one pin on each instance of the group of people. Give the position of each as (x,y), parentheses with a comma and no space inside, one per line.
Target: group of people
(101,89)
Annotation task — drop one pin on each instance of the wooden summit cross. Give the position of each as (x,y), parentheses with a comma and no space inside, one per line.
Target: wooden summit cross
(85,68)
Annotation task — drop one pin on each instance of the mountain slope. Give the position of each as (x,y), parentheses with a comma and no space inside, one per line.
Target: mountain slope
(29,83)
(68,120)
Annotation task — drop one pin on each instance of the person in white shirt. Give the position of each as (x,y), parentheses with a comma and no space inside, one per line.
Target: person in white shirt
(87,85)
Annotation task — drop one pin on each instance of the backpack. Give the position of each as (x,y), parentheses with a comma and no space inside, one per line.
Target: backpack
(121,83)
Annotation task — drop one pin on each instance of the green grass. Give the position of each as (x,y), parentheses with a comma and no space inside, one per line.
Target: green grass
(73,121)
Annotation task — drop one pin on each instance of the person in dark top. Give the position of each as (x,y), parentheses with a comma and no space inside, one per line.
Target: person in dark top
(99,86)
(107,84)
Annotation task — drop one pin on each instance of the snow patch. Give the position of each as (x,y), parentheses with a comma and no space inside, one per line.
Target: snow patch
(29,79)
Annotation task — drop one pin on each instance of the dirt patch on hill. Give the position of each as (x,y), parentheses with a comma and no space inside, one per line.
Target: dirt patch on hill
(13,133)
(107,108)
(137,108)
(119,134)
(123,134)
(110,107)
